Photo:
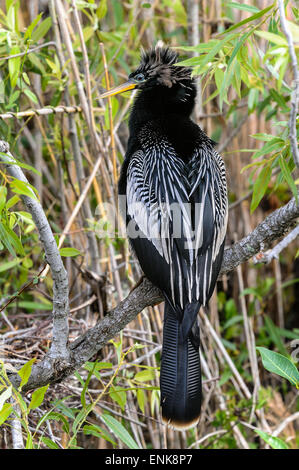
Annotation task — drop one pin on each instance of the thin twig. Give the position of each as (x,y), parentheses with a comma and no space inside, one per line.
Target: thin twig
(29,51)
(41,112)
(284,423)
(268,256)
(295,93)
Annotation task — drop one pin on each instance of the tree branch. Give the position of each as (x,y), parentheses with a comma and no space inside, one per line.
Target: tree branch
(59,348)
(273,227)
(84,347)
(274,253)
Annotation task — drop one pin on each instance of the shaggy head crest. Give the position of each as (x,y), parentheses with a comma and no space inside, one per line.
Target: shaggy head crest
(158,63)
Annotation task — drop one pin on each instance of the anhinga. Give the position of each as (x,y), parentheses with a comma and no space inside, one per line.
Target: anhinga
(176,214)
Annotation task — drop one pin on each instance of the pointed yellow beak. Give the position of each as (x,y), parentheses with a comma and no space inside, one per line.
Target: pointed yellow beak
(129,85)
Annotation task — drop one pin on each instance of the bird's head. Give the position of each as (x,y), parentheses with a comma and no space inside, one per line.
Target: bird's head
(157,68)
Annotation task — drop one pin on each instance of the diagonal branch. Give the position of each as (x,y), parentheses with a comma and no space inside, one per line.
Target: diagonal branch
(84,347)
(273,227)
(274,253)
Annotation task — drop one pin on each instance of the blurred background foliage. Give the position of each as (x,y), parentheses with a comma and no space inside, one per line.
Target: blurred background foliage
(57,53)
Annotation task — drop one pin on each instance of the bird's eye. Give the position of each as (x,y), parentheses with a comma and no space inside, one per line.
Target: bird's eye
(139,77)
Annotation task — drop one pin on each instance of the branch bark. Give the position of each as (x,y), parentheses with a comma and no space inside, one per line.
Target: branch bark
(275,252)
(59,349)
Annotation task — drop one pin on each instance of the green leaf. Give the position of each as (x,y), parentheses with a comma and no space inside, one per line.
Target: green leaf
(31,95)
(68,251)
(11,17)
(10,240)
(251,18)
(141,399)
(38,397)
(253,97)
(31,27)
(102,9)
(14,66)
(5,396)
(22,165)
(237,47)
(264,137)
(5,412)
(245,7)
(260,187)
(287,175)
(9,264)
(271,37)
(273,441)
(3,194)
(98,366)
(280,100)
(49,443)
(25,372)
(13,98)
(85,385)
(37,64)
(219,76)
(228,76)
(273,333)
(24,188)
(42,29)
(280,365)
(145,375)
(30,305)
(119,395)
(97,431)
(274,144)
(218,46)
(120,431)
(12,201)
(55,416)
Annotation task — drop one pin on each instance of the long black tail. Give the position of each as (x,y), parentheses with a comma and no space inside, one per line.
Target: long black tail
(180,377)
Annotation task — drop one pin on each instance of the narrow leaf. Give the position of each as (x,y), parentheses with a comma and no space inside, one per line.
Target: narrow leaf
(38,397)
(260,187)
(287,175)
(251,18)
(5,412)
(5,396)
(25,372)
(120,431)
(245,7)
(280,365)
(273,441)
(68,251)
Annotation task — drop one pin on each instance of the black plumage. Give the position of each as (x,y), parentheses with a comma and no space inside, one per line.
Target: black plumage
(176,214)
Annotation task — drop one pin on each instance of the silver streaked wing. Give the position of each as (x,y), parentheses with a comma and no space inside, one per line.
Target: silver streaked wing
(182,210)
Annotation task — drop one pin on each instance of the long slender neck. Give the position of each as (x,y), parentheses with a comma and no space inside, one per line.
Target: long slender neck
(162,103)
(168,110)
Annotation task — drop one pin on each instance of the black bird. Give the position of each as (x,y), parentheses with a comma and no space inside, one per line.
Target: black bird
(176,214)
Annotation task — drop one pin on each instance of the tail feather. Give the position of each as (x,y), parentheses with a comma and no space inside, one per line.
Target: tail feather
(180,377)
